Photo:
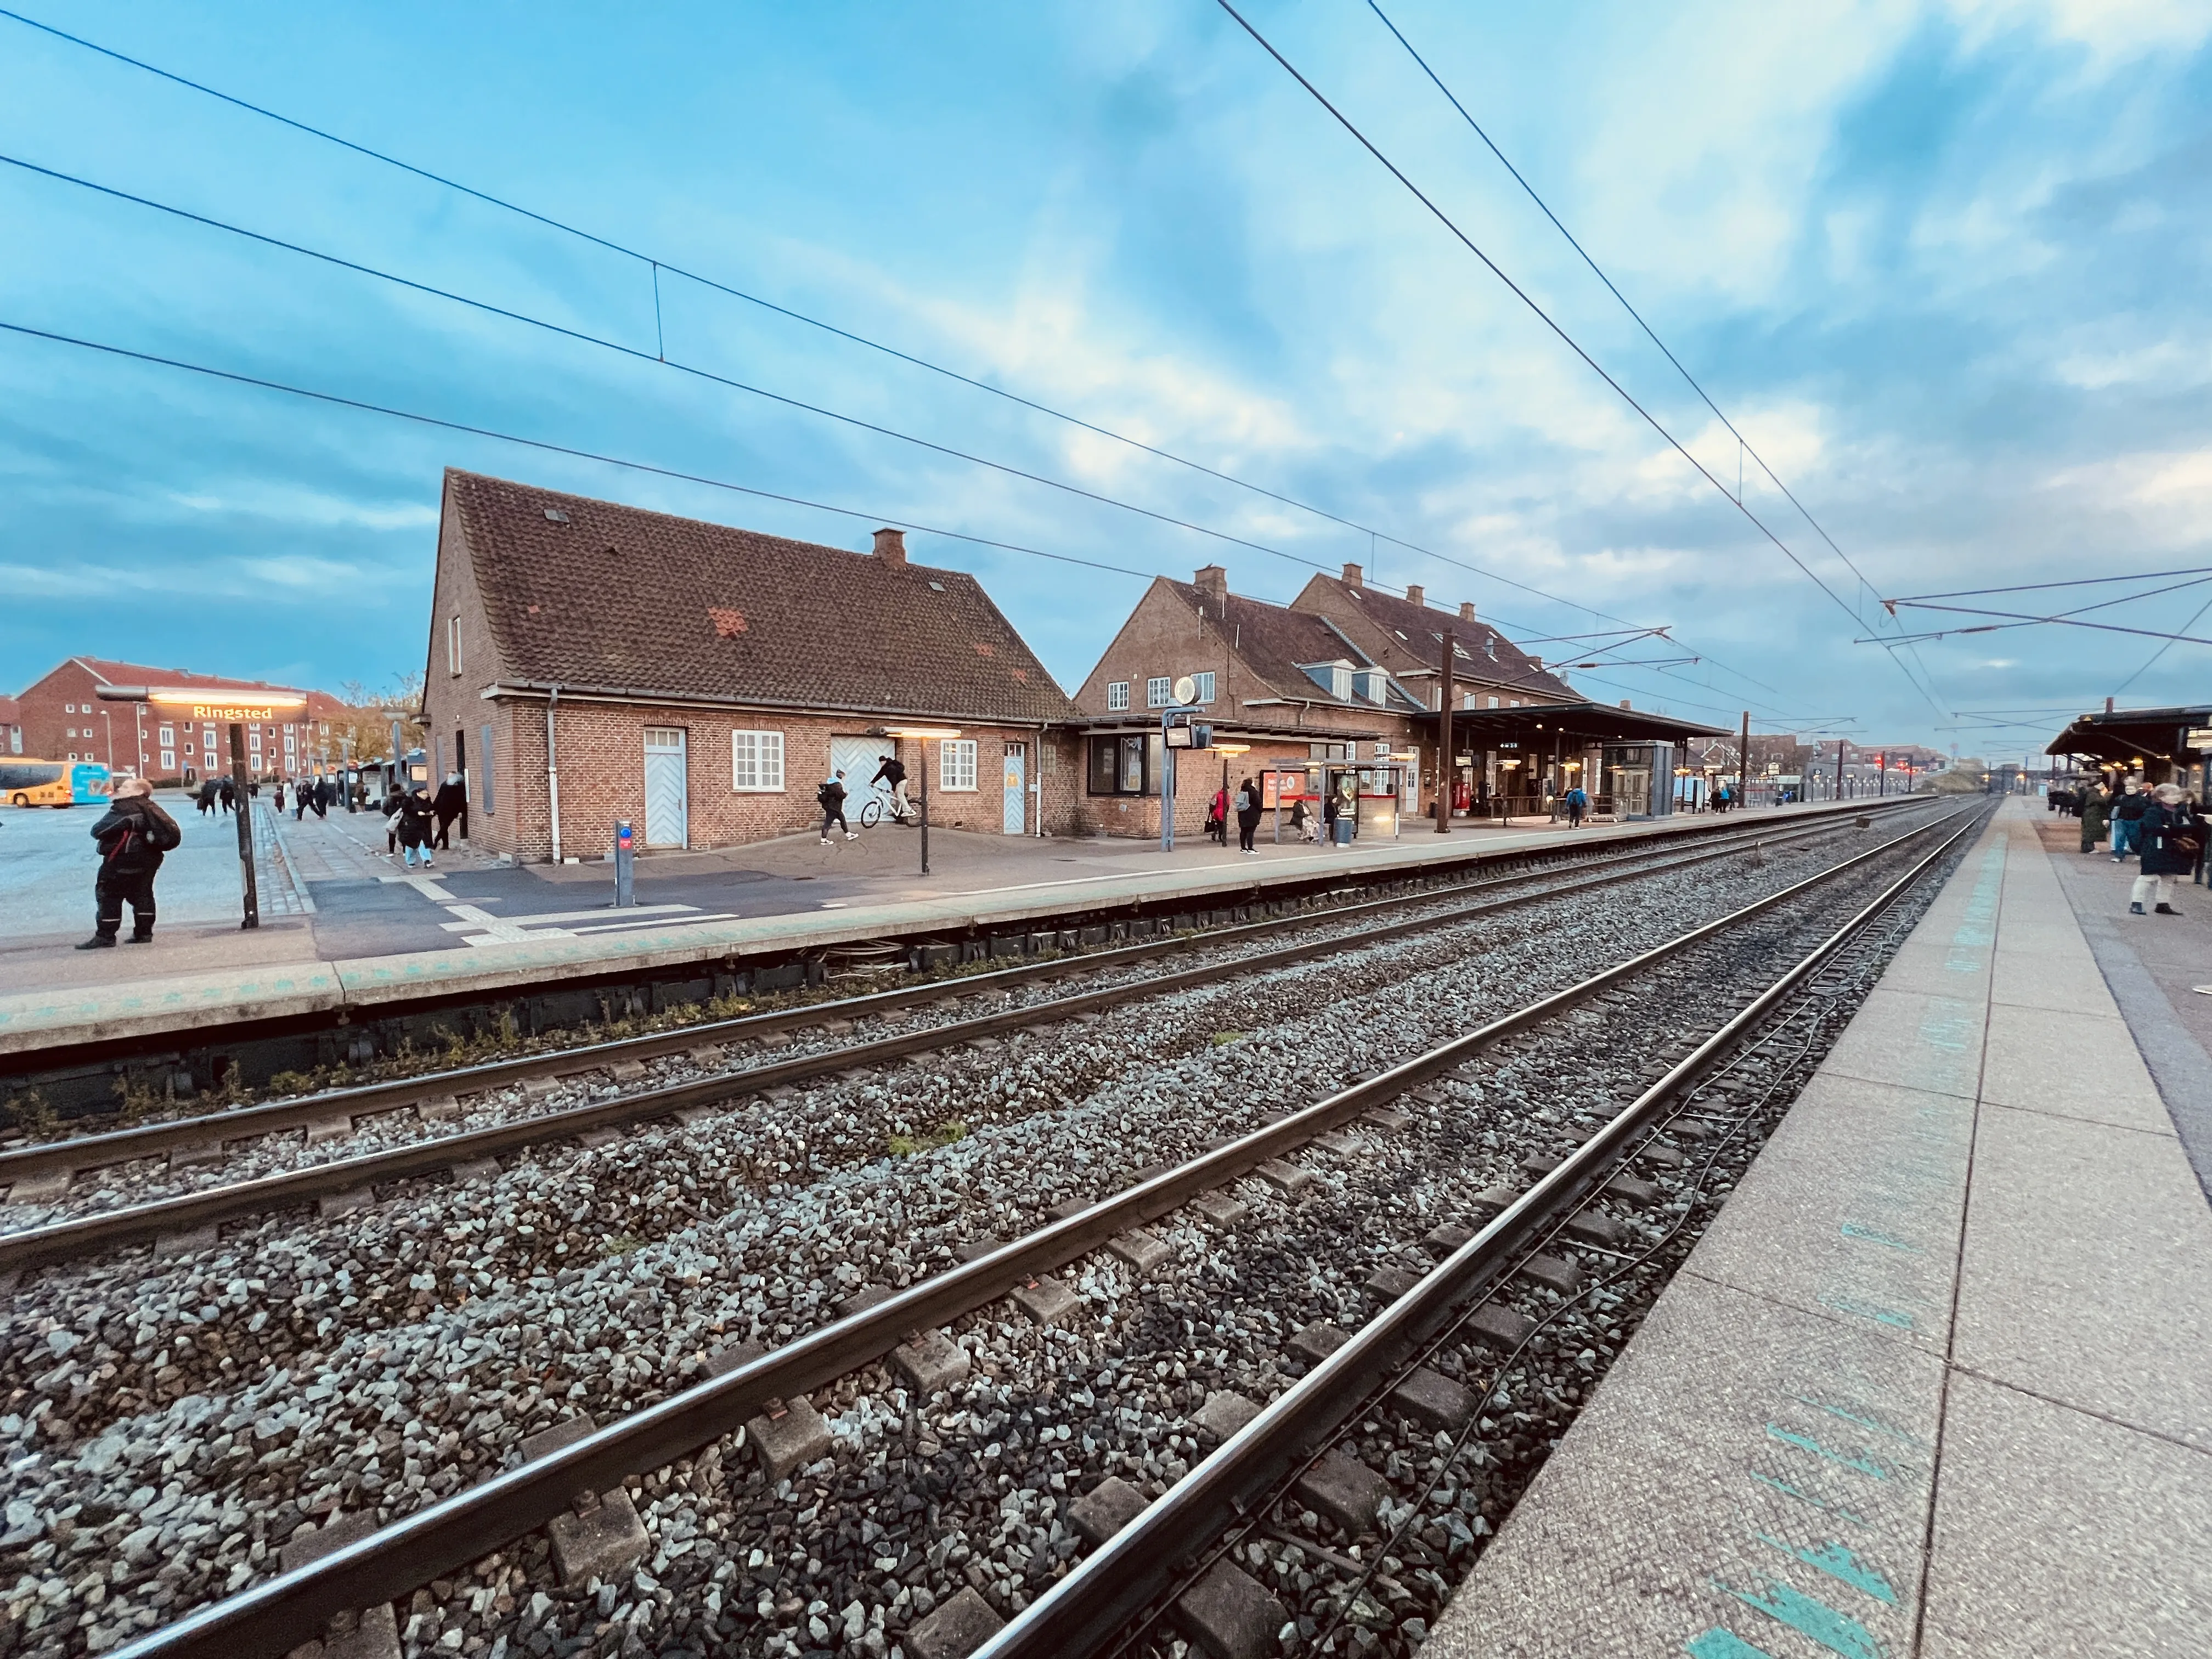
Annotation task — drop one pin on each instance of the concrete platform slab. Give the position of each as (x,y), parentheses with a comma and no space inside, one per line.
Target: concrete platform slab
(2091,1292)
(1933,1384)
(2057,1533)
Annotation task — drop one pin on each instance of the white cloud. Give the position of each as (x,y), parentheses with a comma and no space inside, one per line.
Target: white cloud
(310,508)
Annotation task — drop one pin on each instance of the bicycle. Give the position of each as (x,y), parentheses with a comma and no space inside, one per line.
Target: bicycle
(880,800)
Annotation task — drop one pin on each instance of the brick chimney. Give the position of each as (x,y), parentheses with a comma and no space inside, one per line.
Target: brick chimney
(1466,610)
(1213,581)
(1624,703)
(1351,576)
(891,546)
(1413,596)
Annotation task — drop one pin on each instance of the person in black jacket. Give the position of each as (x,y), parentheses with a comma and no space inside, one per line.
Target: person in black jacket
(132,837)
(893,772)
(2128,810)
(2172,835)
(417,825)
(830,796)
(450,802)
(1247,815)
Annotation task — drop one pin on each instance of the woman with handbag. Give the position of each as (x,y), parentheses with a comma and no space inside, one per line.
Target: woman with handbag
(2172,835)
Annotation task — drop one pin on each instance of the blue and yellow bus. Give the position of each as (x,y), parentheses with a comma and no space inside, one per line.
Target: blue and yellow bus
(52,783)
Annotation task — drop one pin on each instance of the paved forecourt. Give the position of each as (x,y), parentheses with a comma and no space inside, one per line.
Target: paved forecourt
(1939,1379)
(217,984)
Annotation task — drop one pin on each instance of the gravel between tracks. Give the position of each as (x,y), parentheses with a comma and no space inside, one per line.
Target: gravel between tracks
(297,1369)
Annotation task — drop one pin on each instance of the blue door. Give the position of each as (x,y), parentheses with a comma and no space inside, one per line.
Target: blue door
(1017,787)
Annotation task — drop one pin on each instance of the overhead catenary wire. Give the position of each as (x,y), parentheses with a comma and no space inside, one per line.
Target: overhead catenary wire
(1572,344)
(659,264)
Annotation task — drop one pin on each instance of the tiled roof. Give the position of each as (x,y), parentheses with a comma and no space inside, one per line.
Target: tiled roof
(110,672)
(616,597)
(1272,641)
(1404,637)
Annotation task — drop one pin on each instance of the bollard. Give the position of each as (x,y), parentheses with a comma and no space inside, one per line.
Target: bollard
(625,895)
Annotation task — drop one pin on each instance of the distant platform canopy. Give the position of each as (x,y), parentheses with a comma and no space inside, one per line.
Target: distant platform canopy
(2127,736)
(1577,722)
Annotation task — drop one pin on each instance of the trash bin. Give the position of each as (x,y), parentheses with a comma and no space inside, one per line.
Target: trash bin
(1344,829)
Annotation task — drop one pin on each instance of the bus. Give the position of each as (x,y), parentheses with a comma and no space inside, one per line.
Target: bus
(52,783)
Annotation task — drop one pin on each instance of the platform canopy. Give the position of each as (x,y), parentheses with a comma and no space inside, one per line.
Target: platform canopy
(2123,736)
(1574,723)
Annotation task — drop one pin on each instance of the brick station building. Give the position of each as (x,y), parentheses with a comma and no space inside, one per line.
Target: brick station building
(62,718)
(700,681)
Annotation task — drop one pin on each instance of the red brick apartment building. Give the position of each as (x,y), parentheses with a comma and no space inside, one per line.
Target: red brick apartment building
(62,718)
(700,681)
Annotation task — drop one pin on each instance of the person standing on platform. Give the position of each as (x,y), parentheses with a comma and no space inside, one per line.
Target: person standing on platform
(2096,814)
(2127,819)
(132,837)
(2173,837)
(451,801)
(417,824)
(1247,815)
(1577,804)
(1329,811)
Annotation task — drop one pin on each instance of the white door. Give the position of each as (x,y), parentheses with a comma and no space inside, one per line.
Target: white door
(1014,819)
(667,811)
(860,756)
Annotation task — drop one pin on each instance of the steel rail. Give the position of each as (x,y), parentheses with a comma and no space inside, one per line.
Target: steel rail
(77,1236)
(1136,1569)
(79,1153)
(295,1607)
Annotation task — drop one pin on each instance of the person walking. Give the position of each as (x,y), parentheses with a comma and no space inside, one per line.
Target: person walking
(2096,814)
(1247,815)
(132,837)
(831,797)
(2127,819)
(417,825)
(2172,839)
(326,793)
(390,809)
(450,802)
(227,792)
(280,797)
(1216,816)
(204,799)
(1577,804)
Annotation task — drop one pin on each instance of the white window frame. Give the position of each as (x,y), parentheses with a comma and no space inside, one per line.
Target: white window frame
(168,760)
(453,645)
(1117,695)
(1158,690)
(1205,686)
(168,736)
(757,755)
(956,766)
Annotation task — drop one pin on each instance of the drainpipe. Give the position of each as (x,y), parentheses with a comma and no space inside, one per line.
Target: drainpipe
(553,773)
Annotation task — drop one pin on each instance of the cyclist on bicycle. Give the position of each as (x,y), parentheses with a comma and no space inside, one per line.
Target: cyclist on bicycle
(893,772)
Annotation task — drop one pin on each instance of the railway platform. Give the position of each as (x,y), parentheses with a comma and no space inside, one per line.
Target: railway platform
(1934,1382)
(371,935)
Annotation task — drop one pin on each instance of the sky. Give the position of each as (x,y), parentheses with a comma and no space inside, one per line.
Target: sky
(1944,267)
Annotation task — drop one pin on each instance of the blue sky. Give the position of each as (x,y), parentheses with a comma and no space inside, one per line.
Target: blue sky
(1944,265)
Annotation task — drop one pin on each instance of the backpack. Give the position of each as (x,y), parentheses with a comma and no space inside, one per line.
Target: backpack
(161,832)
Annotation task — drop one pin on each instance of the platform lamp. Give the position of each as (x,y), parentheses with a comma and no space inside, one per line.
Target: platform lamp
(261,709)
(923,735)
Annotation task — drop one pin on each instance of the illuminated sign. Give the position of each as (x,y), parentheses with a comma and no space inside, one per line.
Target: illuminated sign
(263,706)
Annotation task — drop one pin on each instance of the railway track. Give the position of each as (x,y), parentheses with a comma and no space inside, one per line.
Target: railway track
(757,1393)
(45,1172)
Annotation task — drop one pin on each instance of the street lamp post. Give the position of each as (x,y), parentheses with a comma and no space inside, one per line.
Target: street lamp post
(921,735)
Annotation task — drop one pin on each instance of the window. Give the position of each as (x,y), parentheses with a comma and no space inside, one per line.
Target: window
(955,764)
(168,760)
(453,645)
(1493,702)
(1117,695)
(1156,693)
(69,708)
(1205,685)
(168,736)
(1125,765)
(480,780)
(72,754)
(757,762)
